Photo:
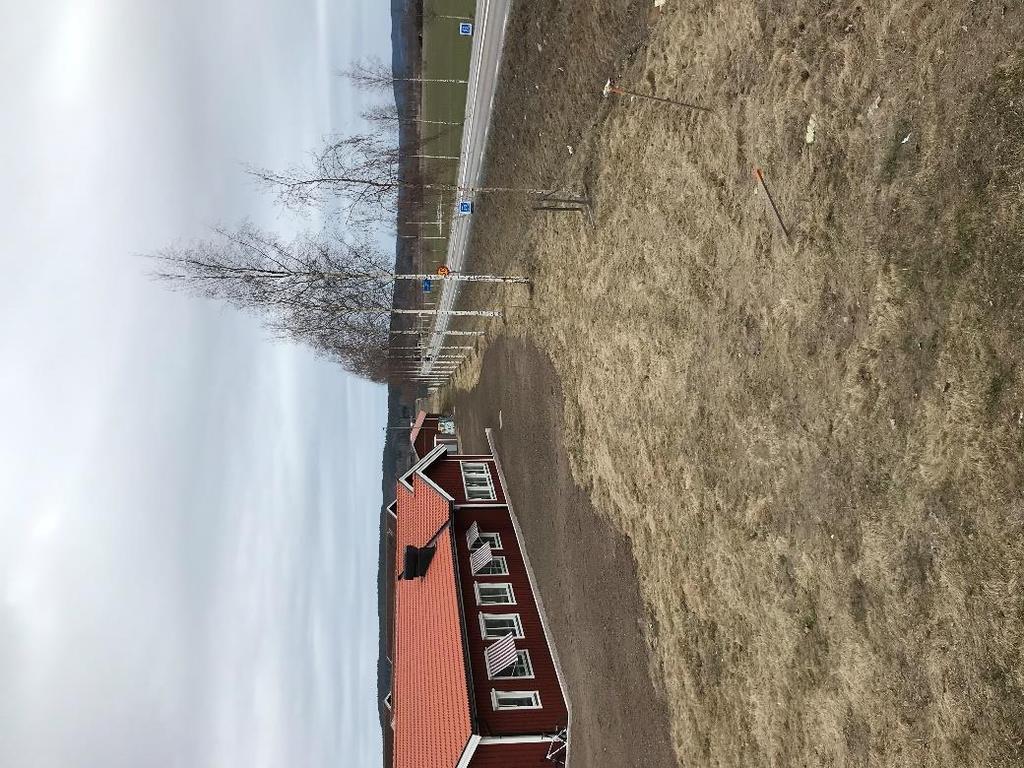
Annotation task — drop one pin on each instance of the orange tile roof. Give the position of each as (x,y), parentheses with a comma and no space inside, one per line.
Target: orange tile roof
(430,697)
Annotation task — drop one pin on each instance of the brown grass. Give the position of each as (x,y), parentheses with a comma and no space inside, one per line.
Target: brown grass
(815,448)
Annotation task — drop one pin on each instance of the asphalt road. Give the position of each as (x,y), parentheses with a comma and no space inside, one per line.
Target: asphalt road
(485,61)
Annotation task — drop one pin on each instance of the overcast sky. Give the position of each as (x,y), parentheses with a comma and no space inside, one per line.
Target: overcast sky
(188,511)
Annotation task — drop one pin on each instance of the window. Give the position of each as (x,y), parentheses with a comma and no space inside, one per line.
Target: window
(451,446)
(497,567)
(476,476)
(522,668)
(494,539)
(496,625)
(494,594)
(515,699)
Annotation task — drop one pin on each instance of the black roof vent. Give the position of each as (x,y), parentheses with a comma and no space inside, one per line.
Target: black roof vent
(417,561)
(426,554)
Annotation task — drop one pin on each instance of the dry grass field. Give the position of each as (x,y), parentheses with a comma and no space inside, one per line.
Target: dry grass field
(815,446)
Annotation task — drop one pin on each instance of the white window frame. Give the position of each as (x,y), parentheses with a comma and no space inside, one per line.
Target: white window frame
(451,445)
(490,480)
(498,706)
(517,620)
(502,567)
(494,539)
(520,656)
(510,594)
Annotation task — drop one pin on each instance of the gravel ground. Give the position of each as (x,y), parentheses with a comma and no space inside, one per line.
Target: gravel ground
(584,566)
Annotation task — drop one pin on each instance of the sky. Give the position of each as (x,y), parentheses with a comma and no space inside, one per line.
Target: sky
(188,508)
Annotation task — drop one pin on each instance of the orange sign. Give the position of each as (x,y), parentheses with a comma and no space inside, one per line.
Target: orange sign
(443,271)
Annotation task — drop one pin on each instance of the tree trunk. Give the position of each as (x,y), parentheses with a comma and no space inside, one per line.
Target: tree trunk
(460,278)
(450,312)
(447,333)
(430,80)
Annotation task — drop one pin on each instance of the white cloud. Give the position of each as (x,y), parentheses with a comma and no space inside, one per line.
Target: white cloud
(176,491)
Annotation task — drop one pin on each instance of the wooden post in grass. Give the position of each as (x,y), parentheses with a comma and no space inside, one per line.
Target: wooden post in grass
(763,185)
(578,204)
(609,88)
(549,203)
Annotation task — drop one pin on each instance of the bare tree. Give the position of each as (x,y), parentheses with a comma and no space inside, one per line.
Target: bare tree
(332,294)
(386,115)
(364,173)
(372,74)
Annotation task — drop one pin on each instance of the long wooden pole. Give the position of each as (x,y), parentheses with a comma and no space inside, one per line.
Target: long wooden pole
(759,175)
(609,88)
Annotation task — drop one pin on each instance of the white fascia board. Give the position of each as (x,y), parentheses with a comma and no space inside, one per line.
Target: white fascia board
(469,751)
(421,465)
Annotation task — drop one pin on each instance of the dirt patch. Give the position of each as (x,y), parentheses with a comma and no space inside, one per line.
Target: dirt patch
(584,566)
(814,446)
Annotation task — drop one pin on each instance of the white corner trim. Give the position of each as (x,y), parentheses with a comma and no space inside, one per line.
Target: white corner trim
(421,465)
(489,432)
(468,751)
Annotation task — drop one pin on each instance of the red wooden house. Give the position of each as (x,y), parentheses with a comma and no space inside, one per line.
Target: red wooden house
(430,430)
(475,682)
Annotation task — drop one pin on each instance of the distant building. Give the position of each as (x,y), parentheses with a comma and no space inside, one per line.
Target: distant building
(474,679)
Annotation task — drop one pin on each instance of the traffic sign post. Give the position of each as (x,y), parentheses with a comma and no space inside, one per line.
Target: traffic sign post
(465,206)
(427,285)
(465,28)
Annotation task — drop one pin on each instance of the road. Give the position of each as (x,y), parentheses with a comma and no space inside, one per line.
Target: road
(485,61)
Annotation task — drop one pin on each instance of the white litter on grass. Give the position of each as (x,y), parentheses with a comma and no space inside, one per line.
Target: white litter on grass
(905,139)
(874,107)
(811,125)
(569,147)
(659,3)
(607,89)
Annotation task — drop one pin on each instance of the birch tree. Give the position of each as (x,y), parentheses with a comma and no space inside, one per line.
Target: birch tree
(364,173)
(334,294)
(387,116)
(372,74)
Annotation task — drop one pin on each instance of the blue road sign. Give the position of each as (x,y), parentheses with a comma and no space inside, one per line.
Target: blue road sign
(465,28)
(427,285)
(466,206)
